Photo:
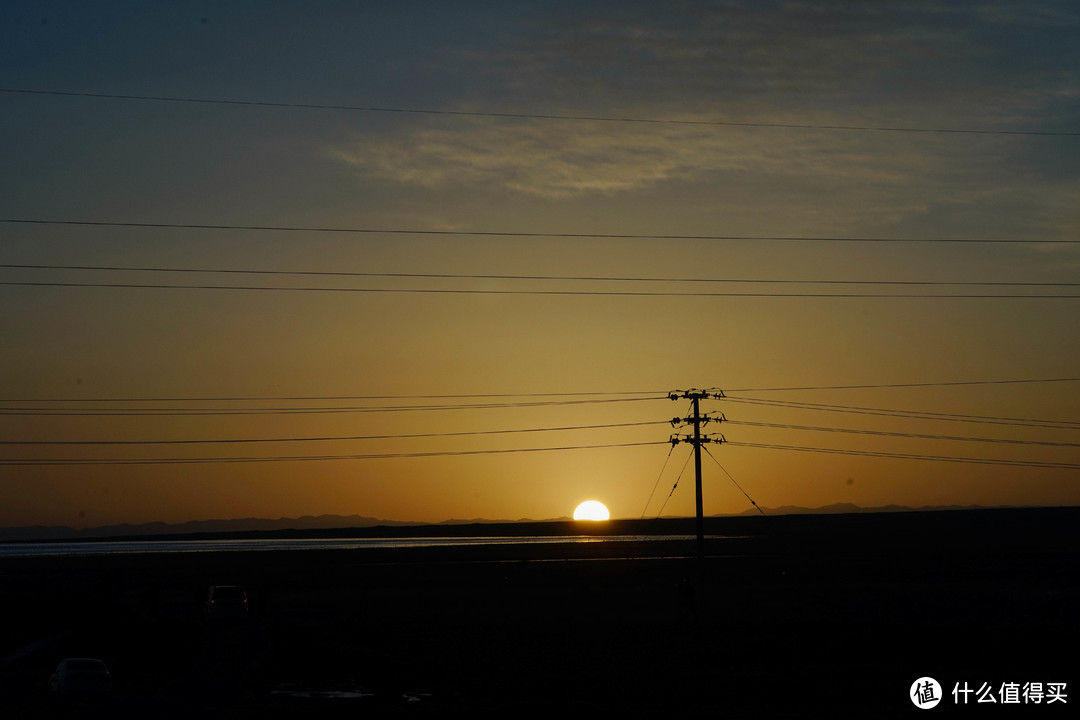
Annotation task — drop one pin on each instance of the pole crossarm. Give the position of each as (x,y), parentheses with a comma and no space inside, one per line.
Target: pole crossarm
(704,419)
(695,394)
(676,439)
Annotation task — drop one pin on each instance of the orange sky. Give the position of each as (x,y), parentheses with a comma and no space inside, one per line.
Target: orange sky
(641,188)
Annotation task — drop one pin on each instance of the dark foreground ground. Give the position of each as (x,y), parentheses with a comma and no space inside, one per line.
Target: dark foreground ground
(805,616)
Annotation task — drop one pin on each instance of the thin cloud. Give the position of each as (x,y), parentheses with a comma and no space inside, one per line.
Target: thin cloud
(560,160)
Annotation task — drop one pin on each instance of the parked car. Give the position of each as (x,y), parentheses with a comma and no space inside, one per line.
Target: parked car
(226,602)
(81,677)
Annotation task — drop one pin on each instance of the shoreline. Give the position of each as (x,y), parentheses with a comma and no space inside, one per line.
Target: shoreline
(714,525)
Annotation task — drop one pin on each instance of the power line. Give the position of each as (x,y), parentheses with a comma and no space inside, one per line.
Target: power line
(326,438)
(902,456)
(908,385)
(196,412)
(542,116)
(526,234)
(576,394)
(308,458)
(918,436)
(911,414)
(605,293)
(582,278)
(335,397)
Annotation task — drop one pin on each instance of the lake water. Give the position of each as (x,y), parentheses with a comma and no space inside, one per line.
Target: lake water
(256,545)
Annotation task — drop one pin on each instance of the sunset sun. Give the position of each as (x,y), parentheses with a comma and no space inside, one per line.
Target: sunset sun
(591,510)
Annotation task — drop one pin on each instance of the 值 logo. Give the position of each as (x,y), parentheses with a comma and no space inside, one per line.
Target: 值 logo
(925,693)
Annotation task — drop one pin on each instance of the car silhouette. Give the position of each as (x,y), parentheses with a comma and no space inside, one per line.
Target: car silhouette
(226,602)
(81,677)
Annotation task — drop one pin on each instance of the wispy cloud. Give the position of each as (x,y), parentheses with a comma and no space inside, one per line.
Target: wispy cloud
(565,159)
(790,180)
(973,65)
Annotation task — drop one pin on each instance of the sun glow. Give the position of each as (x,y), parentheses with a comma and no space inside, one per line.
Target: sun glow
(591,510)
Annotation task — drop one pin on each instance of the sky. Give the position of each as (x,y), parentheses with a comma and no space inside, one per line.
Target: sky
(543,217)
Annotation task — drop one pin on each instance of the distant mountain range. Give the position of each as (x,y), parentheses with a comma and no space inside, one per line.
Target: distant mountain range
(333,522)
(307,522)
(842,508)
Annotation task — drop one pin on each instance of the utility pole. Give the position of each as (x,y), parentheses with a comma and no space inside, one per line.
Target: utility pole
(697,481)
(696,396)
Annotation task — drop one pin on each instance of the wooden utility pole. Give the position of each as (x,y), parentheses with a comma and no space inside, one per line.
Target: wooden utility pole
(696,396)
(697,481)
